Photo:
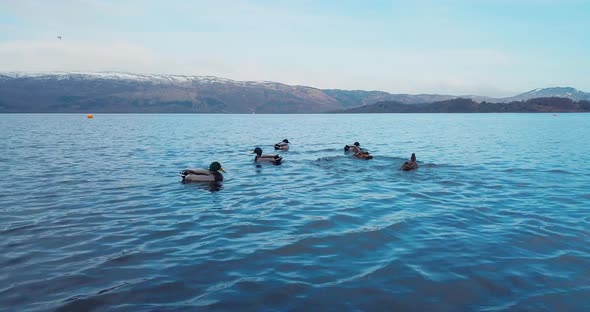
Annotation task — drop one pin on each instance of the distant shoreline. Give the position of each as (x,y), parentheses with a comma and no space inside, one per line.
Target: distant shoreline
(327,113)
(127,93)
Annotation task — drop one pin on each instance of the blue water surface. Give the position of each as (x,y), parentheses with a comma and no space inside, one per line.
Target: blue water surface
(93,216)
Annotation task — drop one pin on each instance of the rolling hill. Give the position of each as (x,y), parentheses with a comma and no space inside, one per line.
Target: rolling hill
(112,92)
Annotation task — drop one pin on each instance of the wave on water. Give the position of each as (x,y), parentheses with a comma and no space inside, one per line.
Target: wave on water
(107,225)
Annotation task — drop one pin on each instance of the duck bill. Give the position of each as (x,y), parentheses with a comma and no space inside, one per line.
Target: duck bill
(221,169)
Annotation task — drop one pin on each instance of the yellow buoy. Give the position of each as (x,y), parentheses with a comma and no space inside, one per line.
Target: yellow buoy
(89,116)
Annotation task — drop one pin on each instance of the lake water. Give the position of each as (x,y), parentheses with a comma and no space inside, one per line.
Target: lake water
(94,217)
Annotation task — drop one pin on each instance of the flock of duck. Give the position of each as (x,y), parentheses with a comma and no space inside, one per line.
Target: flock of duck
(213,174)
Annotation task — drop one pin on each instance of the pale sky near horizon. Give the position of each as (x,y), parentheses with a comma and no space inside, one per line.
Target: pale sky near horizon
(484,47)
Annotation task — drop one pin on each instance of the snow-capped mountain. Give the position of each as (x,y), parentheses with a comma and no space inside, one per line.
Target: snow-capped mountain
(129,77)
(126,92)
(561,92)
(130,92)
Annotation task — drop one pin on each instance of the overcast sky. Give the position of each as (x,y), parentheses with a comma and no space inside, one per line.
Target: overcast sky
(487,47)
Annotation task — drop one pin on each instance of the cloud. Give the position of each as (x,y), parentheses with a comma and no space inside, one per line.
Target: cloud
(78,55)
(360,68)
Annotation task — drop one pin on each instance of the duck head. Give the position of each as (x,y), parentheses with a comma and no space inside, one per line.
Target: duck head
(215,166)
(357,144)
(413,158)
(257,151)
(286,141)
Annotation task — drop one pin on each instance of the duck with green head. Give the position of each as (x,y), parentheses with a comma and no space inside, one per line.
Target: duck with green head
(283,146)
(355,148)
(203,175)
(273,159)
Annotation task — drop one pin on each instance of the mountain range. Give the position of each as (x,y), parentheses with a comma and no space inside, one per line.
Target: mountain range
(80,92)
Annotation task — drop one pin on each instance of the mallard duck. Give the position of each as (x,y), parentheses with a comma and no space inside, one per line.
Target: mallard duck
(284,145)
(363,155)
(356,147)
(275,159)
(203,175)
(410,165)
(359,152)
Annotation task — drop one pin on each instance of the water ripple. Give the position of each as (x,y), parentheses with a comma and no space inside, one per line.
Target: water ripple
(100,221)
